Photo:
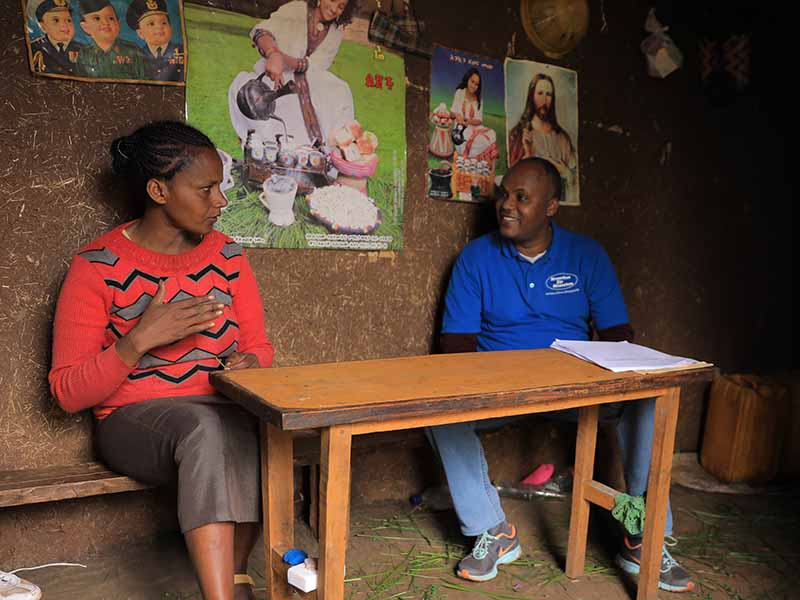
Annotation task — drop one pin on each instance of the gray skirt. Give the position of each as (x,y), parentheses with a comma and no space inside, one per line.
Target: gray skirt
(206,446)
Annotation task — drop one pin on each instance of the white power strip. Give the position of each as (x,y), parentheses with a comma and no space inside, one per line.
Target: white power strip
(304,575)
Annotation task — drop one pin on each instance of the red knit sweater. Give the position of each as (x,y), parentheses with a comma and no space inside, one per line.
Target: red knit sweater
(109,285)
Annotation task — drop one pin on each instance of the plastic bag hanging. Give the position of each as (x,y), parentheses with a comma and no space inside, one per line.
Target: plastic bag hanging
(663,56)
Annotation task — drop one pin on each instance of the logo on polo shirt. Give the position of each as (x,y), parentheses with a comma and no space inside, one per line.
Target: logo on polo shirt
(562,283)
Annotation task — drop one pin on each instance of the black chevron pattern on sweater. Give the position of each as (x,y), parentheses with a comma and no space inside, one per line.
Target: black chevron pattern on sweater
(218,334)
(136,273)
(137,308)
(132,276)
(210,334)
(209,269)
(172,378)
(149,361)
(114,330)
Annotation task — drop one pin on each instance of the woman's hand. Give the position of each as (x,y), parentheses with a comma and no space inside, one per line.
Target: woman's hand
(162,324)
(241,360)
(268,48)
(274,67)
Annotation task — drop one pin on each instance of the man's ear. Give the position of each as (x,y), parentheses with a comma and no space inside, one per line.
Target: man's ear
(552,207)
(139,33)
(157,190)
(83,26)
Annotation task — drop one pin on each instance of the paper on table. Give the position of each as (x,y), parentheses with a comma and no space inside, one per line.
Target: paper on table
(624,356)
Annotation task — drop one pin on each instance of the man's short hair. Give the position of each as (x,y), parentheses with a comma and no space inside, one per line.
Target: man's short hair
(550,172)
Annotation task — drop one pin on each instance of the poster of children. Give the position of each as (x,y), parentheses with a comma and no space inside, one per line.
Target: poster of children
(542,119)
(139,41)
(309,121)
(466,126)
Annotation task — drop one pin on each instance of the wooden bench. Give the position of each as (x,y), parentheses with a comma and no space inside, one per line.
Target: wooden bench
(31,486)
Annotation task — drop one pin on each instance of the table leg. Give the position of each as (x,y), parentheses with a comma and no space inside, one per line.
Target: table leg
(277,495)
(666,419)
(584,473)
(334,509)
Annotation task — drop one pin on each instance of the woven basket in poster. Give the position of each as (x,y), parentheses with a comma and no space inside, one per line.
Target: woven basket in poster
(354,169)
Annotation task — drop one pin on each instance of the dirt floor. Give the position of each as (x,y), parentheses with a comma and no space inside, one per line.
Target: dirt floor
(737,546)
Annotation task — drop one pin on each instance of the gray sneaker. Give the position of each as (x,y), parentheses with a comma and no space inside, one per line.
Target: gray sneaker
(673,577)
(498,546)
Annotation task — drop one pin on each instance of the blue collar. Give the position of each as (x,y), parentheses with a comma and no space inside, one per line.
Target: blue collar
(509,250)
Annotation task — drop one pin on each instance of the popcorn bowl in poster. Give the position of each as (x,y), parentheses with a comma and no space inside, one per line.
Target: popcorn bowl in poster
(342,209)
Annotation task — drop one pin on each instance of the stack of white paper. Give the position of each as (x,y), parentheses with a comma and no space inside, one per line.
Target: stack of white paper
(623,356)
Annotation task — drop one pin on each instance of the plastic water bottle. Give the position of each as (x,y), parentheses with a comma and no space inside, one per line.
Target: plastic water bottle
(433,498)
(559,486)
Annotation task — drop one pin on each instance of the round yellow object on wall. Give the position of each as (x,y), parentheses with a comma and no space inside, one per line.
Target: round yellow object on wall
(555,26)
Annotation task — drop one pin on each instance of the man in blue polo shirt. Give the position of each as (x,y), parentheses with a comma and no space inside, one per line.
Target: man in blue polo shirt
(521,287)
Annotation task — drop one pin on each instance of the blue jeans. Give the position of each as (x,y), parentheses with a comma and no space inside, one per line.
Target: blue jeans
(474,497)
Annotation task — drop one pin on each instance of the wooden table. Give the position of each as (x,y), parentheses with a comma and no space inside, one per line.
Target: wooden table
(352,398)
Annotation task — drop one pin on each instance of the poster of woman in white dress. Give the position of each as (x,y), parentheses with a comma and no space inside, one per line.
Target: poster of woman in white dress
(466,132)
(542,119)
(295,49)
(309,120)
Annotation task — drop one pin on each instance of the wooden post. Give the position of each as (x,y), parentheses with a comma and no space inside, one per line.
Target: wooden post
(666,419)
(584,473)
(277,495)
(313,501)
(334,504)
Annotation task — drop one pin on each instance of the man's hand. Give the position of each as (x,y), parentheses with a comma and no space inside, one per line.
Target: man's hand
(162,324)
(241,360)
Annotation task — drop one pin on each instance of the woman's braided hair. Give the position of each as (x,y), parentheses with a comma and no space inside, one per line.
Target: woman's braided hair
(159,150)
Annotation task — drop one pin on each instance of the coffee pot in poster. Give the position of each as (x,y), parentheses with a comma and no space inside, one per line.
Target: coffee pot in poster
(458,134)
(257,101)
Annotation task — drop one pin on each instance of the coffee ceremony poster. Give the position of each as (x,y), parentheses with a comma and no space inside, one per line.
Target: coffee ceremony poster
(313,150)
(466,126)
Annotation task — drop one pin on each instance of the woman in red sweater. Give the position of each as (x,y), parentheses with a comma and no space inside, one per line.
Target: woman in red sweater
(145,313)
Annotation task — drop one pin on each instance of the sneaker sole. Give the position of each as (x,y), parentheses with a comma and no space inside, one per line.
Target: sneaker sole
(632,568)
(508,557)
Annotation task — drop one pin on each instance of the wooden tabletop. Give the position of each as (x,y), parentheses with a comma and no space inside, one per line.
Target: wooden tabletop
(351,392)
